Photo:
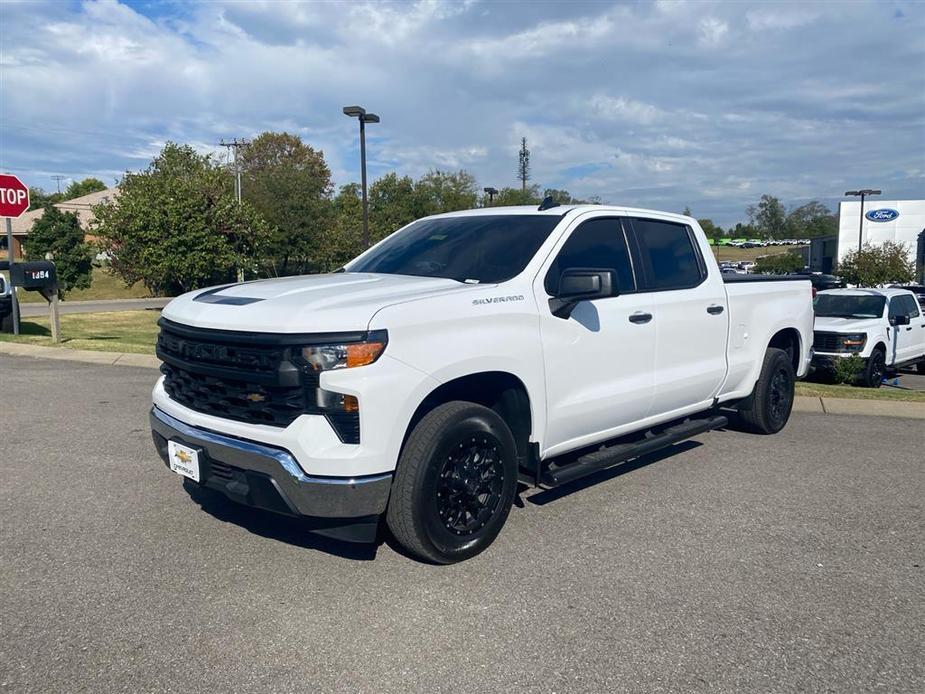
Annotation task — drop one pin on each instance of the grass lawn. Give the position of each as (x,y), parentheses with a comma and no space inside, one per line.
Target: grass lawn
(124,331)
(103,286)
(826,390)
(737,254)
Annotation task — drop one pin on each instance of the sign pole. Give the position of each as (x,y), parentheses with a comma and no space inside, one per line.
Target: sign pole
(13,298)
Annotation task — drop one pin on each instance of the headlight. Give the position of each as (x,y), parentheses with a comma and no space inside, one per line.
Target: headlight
(854,343)
(345,355)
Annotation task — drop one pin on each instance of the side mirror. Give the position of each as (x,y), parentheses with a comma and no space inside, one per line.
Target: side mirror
(899,320)
(581,284)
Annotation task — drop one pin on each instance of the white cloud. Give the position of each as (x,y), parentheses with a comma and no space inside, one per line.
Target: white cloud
(622,108)
(712,31)
(657,105)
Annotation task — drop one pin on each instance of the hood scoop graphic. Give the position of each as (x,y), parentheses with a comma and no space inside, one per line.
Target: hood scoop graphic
(212,296)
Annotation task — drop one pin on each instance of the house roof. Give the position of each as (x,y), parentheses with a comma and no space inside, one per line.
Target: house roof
(80,206)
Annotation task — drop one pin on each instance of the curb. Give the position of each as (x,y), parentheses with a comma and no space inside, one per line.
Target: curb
(82,355)
(801,403)
(872,408)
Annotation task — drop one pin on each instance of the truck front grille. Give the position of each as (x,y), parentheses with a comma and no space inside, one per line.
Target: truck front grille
(827,342)
(234,399)
(247,377)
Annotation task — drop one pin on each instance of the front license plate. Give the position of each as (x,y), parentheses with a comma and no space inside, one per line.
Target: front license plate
(183,460)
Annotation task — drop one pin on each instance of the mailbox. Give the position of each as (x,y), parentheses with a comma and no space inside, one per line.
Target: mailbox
(35,275)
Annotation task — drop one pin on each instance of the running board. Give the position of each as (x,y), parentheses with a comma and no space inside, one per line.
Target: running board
(607,457)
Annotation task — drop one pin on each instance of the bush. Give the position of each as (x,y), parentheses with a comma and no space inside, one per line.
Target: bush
(847,369)
(876,265)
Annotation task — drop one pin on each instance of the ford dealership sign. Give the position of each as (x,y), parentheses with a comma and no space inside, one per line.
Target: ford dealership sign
(882,215)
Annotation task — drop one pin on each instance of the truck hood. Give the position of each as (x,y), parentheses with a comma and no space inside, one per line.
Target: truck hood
(847,325)
(337,302)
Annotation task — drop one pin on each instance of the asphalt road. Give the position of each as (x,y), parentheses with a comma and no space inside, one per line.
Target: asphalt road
(41,309)
(740,563)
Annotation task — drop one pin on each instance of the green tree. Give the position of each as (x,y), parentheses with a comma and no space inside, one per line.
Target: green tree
(60,234)
(176,225)
(38,198)
(80,188)
(779,264)
(875,265)
(342,240)
(769,217)
(515,196)
(289,184)
(810,220)
(442,191)
(392,204)
(710,229)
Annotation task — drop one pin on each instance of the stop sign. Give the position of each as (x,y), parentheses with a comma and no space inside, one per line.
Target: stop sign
(14,196)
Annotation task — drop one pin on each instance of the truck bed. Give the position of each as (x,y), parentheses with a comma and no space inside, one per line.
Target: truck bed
(732,279)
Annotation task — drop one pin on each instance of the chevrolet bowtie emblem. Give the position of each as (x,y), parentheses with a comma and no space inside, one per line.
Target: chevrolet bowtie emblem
(256,397)
(184,456)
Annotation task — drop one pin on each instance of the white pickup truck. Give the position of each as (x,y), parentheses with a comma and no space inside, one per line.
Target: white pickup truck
(884,327)
(463,354)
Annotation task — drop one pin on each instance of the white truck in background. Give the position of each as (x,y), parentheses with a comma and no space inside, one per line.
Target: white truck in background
(464,353)
(885,328)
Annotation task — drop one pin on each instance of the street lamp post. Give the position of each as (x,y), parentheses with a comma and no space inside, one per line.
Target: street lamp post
(863,194)
(361,115)
(492,192)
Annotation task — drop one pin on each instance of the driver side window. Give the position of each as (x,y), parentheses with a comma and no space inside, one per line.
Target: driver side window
(597,243)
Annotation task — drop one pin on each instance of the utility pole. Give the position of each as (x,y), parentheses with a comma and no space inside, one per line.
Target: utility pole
(233,146)
(57,179)
(523,166)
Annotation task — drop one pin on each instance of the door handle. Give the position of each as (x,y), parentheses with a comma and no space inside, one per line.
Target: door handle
(640,317)
(715,310)
(909,328)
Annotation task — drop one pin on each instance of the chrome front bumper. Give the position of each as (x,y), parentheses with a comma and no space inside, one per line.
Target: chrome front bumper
(270,478)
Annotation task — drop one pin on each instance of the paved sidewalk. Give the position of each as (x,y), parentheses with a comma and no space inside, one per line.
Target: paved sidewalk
(81,355)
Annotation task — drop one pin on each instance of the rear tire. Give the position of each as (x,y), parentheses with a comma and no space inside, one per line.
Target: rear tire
(872,376)
(455,483)
(767,409)
(6,323)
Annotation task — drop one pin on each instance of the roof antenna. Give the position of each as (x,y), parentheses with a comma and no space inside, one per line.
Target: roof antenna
(548,202)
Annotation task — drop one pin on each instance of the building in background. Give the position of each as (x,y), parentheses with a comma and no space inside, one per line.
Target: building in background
(884,220)
(81,206)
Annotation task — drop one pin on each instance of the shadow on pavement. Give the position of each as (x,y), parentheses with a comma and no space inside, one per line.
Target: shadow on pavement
(273,526)
(550,495)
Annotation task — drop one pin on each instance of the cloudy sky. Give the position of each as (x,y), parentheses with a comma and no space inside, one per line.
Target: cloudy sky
(657,104)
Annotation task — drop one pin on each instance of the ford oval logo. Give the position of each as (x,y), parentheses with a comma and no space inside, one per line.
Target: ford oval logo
(882,215)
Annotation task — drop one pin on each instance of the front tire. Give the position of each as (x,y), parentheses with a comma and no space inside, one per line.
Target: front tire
(872,377)
(455,483)
(767,409)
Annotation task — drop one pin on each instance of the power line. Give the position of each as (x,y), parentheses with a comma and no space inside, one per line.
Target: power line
(57,178)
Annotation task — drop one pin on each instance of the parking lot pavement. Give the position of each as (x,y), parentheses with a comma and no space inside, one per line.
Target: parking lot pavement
(911,380)
(740,563)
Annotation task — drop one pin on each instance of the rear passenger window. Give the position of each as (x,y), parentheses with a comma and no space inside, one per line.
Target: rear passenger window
(597,243)
(668,255)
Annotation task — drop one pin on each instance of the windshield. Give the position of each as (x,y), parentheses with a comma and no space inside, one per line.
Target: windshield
(848,306)
(466,249)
